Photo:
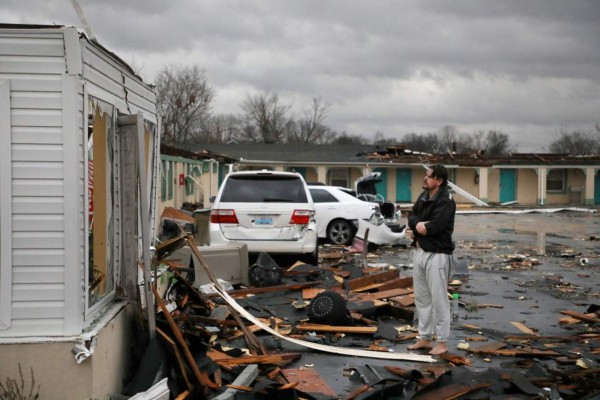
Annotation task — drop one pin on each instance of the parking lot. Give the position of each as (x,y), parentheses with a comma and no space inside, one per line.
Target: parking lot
(518,272)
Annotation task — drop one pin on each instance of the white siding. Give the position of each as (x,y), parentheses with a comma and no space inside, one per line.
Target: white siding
(42,75)
(34,63)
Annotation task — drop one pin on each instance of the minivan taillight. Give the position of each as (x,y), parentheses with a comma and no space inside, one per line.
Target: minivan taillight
(301,217)
(223,217)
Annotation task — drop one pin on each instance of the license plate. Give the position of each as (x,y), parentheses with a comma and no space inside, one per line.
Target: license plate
(264,220)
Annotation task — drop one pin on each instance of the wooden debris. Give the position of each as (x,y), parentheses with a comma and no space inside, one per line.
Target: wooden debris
(336,329)
(591,317)
(275,359)
(357,283)
(201,377)
(522,328)
(308,380)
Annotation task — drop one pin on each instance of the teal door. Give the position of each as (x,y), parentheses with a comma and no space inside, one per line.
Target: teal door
(597,188)
(507,185)
(381,187)
(403,180)
(301,171)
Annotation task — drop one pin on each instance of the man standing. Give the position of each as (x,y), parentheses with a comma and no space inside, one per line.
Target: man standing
(432,224)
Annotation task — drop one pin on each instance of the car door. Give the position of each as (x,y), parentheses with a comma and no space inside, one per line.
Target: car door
(327,207)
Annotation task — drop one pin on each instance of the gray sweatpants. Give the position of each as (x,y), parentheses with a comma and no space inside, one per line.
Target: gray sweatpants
(430,283)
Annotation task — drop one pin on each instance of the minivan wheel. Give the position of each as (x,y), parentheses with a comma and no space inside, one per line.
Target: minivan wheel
(340,231)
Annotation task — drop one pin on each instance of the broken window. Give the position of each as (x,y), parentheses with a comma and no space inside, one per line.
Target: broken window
(101,186)
(556,180)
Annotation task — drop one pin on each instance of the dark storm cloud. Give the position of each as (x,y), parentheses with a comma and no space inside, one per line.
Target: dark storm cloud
(387,66)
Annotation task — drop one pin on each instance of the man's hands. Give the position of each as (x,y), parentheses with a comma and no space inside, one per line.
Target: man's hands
(421,228)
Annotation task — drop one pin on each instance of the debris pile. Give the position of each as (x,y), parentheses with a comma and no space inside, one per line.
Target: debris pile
(248,342)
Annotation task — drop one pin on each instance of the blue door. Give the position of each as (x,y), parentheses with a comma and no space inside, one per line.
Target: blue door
(381,187)
(507,185)
(403,180)
(597,188)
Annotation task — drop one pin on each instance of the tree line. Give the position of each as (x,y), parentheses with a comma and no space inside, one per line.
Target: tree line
(185,100)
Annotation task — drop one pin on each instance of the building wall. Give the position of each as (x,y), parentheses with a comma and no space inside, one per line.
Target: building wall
(50,73)
(56,371)
(33,65)
(527,186)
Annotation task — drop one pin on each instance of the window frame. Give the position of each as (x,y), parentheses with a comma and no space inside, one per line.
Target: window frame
(339,177)
(93,309)
(562,180)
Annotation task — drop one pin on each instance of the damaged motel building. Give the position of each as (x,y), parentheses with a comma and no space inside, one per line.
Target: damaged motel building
(79,155)
(515,179)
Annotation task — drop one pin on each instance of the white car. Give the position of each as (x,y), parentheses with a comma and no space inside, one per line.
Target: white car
(270,211)
(338,212)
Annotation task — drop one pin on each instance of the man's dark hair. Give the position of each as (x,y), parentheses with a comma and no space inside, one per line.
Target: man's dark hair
(439,171)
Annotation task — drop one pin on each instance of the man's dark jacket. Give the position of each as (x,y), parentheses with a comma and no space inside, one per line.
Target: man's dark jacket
(438,213)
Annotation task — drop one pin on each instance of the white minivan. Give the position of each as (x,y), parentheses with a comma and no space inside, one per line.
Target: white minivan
(270,211)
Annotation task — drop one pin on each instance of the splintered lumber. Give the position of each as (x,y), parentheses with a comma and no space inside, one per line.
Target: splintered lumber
(398,283)
(336,329)
(178,356)
(201,376)
(309,381)
(254,344)
(268,289)
(381,295)
(404,301)
(488,348)
(456,360)
(275,359)
(243,381)
(523,328)
(367,280)
(498,349)
(591,317)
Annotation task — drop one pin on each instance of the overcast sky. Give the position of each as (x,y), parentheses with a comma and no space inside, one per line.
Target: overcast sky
(530,69)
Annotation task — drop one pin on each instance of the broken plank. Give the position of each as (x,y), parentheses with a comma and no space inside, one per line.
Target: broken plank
(336,329)
(522,328)
(201,376)
(403,301)
(381,295)
(488,347)
(591,317)
(275,359)
(398,283)
(384,276)
(308,381)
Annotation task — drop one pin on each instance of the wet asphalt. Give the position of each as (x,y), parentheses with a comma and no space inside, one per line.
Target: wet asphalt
(495,254)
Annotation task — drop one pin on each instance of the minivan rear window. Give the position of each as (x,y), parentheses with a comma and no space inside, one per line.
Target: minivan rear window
(264,189)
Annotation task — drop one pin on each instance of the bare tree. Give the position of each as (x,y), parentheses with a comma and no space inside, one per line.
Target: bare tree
(448,139)
(492,143)
(345,138)
(311,128)
(222,129)
(184,100)
(379,139)
(426,143)
(576,143)
(268,118)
